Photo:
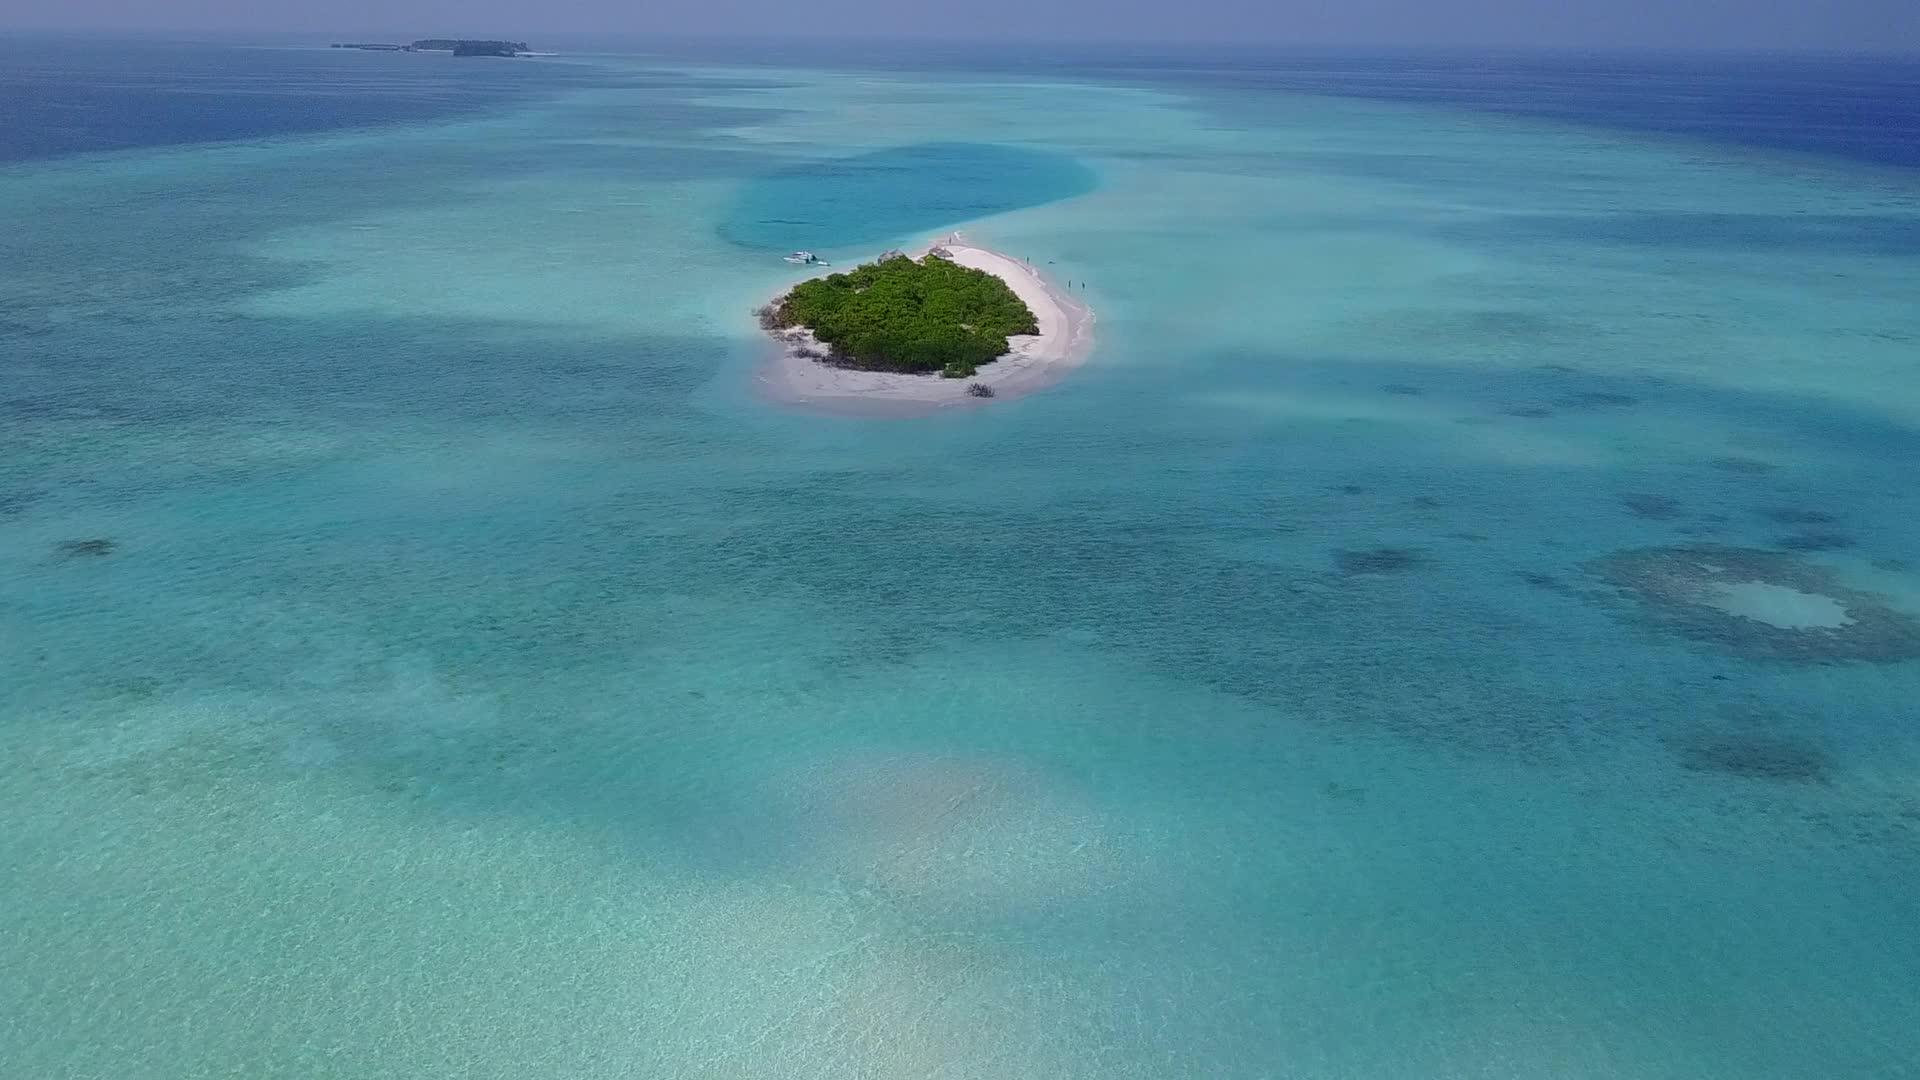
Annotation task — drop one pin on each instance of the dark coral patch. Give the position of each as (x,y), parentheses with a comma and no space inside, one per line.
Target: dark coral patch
(1685,591)
(1744,465)
(1755,755)
(1402,389)
(14,502)
(1815,541)
(1651,507)
(1547,583)
(1381,560)
(1793,515)
(1597,399)
(92,548)
(1530,412)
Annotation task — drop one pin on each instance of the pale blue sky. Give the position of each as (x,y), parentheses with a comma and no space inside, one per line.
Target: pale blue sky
(1792,24)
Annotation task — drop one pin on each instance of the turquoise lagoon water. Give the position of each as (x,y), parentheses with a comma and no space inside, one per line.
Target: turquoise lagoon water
(482,680)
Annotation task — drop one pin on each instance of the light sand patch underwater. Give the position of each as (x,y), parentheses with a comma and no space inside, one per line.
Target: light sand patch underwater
(965,833)
(1778,605)
(1760,604)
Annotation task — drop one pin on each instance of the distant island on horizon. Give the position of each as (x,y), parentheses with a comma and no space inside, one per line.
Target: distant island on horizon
(456,46)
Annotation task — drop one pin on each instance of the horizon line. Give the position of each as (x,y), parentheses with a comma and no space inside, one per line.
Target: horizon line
(1237,45)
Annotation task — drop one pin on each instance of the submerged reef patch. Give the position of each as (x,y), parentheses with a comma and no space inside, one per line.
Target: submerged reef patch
(1815,541)
(14,502)
(1744,465)
(1754,755)
(91,548)
(1381,560)
(1793,515)
(1763,605)
(1546,583)
(1651,507)
(1597,399)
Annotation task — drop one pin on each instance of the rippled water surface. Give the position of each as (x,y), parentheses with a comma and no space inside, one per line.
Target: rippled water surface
(1464,621)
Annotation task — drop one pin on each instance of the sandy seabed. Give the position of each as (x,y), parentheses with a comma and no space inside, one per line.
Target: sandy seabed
(1032,362)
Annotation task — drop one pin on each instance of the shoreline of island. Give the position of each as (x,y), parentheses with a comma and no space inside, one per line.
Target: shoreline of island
(791,376)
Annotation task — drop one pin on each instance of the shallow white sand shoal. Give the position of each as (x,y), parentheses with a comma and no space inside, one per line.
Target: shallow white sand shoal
(1032,362)
(1779,606)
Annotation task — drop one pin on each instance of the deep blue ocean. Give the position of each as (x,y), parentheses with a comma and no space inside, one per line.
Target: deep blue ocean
(1864,109)
(71,96)
(1462,621)
(65,95)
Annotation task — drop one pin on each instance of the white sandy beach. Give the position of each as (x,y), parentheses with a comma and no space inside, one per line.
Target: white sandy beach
(1032,362)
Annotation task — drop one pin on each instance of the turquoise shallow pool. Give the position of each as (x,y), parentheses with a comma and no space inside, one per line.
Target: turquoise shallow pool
(1464,621)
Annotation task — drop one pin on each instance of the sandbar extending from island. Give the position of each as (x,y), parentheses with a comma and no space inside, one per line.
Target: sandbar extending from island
(1033,361)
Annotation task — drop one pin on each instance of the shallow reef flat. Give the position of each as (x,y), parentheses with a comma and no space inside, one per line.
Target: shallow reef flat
(1458,623)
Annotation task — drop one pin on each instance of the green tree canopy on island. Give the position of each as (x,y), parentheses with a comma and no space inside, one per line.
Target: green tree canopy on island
(899,314)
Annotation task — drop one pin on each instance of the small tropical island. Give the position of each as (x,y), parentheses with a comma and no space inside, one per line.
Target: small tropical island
(909,315)
(955,325)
